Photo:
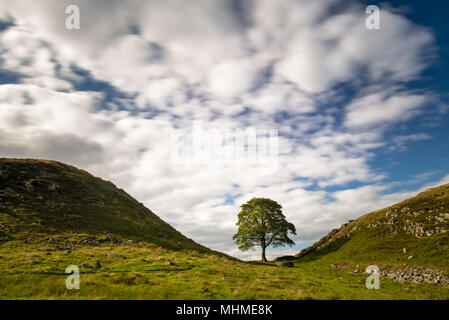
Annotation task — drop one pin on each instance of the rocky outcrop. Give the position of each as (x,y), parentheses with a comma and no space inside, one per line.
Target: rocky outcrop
(420,223)
(91,241)
(63,244)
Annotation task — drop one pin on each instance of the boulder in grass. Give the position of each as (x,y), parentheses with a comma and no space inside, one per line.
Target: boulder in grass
(287,264)
(170,263)
(97,265)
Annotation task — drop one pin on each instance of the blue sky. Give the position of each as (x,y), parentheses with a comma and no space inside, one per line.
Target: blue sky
(430,154)
(361,115)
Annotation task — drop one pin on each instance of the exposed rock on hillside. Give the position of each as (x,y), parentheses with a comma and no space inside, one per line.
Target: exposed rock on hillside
(416,275)
(410,237)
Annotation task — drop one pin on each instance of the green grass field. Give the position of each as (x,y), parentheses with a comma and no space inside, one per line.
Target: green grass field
(30,271)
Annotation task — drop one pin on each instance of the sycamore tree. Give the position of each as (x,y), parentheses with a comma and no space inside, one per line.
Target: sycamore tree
(261,223)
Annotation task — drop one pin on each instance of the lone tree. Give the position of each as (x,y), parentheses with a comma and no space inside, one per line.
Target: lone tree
(261,223)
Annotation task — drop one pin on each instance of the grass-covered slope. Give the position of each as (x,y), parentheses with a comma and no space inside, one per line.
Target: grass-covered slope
(414,232)
(47,197)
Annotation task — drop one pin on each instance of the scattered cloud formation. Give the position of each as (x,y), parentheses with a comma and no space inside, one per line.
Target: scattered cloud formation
(384,108)
(110,96)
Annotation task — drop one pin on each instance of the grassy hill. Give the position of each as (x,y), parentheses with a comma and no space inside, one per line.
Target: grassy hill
(412,233)
(53,215)
(48,197)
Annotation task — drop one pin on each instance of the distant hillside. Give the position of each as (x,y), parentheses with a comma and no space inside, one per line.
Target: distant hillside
(414,232)
(49,197)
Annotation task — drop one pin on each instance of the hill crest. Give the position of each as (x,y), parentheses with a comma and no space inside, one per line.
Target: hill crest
(414,232)
(43,196)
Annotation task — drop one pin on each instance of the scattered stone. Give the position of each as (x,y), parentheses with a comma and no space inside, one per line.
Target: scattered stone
(170,263)
(410,257)
(404,250)
(339,266)
(85,265)
(29,186)
(25,240)
(54,188)
(97,265)
(115,255)
(416,274)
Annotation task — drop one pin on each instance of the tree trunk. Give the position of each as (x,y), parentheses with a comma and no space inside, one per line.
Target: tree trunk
(264,259)
(263,245)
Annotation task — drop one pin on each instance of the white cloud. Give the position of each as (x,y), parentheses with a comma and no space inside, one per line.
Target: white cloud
(378,109)
(335,51)
(231,78)
(231,64)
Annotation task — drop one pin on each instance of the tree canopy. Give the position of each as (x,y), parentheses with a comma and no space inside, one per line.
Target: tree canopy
(261,223)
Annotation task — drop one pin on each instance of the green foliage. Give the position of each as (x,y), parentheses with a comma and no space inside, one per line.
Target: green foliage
(261,223)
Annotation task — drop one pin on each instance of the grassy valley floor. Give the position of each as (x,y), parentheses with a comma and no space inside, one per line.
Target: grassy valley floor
(36,270)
